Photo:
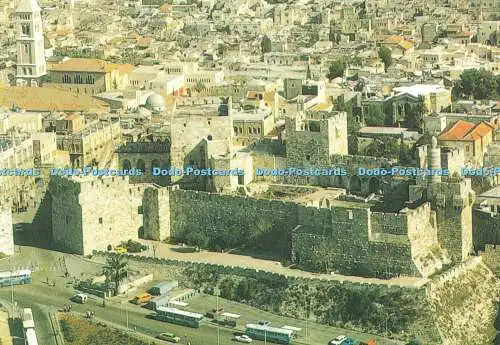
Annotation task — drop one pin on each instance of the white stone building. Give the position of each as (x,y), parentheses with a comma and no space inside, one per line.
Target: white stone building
(6,232)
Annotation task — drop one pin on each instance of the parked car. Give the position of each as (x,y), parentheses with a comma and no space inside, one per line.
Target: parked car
(169,337)
(349,341)
(120,250)
(337,340)
(212,314)
(243,338)
(264,323)
(80,298)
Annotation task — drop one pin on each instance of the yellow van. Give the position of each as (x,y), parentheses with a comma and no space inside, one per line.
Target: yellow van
(120,250)
(142,298)
(169,337)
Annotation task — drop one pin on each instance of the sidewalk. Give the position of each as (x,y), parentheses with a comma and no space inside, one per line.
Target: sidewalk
(4,329)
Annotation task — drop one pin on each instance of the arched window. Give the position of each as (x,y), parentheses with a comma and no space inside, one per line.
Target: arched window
(155,163)
(141,165)
(127,165)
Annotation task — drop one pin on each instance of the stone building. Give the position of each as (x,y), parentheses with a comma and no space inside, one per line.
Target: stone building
(94,213)
(88,76)
(17,182)
(430,98)
(20,120)
(194,125)
(44,149)
(145,156)
(313,137)
(6,231)
(92,145)
(472,139)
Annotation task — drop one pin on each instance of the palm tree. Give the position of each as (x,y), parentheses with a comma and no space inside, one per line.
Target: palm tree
(116,270)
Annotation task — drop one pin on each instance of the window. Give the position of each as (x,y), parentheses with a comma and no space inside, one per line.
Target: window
(100,220)
(66,79)
(25,29)
(78,79)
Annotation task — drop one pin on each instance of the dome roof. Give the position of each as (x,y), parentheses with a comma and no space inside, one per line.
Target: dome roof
(155,102)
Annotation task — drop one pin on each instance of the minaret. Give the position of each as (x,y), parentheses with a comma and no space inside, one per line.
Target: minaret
(30,42)
(434,162)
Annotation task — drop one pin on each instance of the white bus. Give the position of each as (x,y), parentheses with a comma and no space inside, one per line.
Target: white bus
(29,327)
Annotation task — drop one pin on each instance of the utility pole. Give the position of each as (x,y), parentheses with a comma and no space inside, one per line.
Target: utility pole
(11,287)
(217,316)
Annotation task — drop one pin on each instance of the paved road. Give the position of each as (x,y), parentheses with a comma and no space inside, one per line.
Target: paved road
(42,298)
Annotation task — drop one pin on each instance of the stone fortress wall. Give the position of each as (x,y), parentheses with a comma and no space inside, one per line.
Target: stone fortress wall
(342,236)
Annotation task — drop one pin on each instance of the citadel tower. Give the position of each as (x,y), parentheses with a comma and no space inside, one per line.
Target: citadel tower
(452,199)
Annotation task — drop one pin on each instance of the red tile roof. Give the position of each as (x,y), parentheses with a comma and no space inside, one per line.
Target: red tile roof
(466,131)
(481,130)
(457,131)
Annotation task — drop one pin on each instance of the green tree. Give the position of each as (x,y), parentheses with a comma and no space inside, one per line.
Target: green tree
(116,270)
(197,238)
(383,148)
(493,39)
(243,290)
(385,55)
(337,68)
(414,114)
(375,116)
(266,45)
(479,84)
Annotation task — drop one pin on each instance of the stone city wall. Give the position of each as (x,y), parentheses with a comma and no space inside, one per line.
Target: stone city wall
(344,240)
(486,227)
(465,302)
(233,220)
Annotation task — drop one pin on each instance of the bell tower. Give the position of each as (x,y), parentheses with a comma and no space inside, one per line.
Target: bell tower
(30,43)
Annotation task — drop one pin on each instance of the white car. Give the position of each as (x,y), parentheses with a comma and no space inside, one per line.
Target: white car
(243,338)
(337,340)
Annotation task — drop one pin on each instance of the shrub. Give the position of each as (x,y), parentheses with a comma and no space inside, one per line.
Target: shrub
(67,331)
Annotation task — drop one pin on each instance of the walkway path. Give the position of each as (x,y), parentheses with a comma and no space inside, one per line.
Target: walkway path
(176,252)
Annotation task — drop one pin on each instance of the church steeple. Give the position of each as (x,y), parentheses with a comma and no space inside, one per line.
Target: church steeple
(308,72)
(30,42)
